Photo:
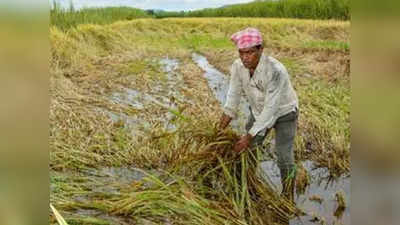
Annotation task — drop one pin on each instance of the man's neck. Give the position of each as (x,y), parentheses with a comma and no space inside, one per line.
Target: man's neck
(251,72)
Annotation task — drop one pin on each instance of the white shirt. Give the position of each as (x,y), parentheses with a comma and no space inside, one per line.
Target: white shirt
(269,92)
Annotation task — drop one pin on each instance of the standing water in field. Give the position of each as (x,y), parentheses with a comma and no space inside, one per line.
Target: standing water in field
(319,199)
(163,94)
(217,81)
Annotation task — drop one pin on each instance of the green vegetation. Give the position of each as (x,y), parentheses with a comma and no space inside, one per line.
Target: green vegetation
(328,44)
(191,175)
(196,42)
(67,18)
(305,9)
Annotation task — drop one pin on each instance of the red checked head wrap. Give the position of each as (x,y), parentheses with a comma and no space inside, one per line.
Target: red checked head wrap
(247,38)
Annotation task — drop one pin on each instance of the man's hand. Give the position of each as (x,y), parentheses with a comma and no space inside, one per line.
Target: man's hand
(243,143)
(224,122)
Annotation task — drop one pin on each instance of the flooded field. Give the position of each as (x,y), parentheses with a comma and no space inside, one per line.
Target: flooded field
(134,138)
(162,94)
(319,199)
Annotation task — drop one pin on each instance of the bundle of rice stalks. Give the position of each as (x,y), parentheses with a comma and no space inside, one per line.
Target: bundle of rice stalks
(208,185)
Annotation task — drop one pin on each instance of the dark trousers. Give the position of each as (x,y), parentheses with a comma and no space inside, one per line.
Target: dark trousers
(285,131)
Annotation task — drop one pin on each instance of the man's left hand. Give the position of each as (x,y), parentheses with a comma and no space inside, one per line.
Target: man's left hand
(243,143)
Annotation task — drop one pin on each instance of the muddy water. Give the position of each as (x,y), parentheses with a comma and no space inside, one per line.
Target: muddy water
(120,175)
(129,97)
(107,180)
(217,81)
(164,94)
(319,185)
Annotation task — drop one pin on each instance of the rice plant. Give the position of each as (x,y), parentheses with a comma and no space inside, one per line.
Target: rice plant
(192,175)
(71,17)
(305,9)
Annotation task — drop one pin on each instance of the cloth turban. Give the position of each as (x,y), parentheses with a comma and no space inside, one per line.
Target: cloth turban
(247,38)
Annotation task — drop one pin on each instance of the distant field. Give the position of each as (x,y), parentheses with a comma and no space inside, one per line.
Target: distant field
(97,71)
(305,9)
(302,9)
(69,17)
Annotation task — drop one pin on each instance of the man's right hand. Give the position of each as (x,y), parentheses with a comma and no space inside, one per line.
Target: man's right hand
(224,122)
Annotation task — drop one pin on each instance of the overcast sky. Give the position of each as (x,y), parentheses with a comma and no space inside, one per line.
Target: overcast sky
(171,5)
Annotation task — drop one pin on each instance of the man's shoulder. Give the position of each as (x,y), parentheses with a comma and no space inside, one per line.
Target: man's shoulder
(275,64)
(237,62)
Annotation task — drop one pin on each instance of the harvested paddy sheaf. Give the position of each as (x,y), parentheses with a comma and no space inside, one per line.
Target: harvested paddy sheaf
(131,98)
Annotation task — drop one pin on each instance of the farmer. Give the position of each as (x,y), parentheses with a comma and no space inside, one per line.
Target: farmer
(273,102)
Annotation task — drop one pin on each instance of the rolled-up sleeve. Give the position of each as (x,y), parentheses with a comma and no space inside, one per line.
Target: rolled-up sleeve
(234,93)
(268,117)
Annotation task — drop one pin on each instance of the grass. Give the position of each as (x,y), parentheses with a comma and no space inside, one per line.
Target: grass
(328,45)
(325,130)
(70,17)
(60,219)
(192,175)
(87,221)
(196,42)
(218,189)
(304,9)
